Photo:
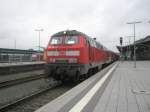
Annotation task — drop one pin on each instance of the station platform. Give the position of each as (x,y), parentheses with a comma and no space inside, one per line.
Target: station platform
(10,68)
(20,63)
(118,88)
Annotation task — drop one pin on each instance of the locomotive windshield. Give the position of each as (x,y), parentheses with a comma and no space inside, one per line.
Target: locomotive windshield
(56,40)
(65,40)
(71,40)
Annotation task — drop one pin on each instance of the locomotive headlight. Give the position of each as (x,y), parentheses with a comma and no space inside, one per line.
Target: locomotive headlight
(52,53)
(73,53)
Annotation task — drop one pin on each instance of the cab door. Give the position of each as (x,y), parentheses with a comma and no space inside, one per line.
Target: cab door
(91,53)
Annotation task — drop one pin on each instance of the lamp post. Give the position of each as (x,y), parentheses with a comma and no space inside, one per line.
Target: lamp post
(129,49)
(121,41)
(133,23)
(39,30)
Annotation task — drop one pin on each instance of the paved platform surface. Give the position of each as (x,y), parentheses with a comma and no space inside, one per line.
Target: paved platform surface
(128,90)
(20,63)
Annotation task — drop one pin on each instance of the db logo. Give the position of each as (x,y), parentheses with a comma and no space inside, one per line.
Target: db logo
(61,53)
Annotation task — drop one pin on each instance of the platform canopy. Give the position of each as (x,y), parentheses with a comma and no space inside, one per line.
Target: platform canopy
(142,49)
(17,51)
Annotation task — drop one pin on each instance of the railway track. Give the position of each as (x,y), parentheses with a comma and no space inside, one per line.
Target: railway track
(20,80)
(13,82)
(10,82)
(17,105)
(33,103)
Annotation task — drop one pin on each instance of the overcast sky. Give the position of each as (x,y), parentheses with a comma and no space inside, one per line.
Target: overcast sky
(104,19)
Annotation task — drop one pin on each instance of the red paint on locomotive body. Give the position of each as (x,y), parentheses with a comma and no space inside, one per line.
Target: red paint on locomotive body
(63,49)
(74,52)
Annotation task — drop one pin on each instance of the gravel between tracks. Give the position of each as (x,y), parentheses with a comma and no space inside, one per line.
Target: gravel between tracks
(36,102)
(18,91)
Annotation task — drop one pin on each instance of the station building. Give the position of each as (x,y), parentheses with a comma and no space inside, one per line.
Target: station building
(18,55)
(142,50)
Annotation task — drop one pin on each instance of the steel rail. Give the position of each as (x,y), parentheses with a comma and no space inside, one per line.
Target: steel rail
(20,80)
(10,104)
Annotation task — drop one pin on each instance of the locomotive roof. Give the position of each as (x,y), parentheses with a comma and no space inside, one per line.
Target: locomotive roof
(69,32)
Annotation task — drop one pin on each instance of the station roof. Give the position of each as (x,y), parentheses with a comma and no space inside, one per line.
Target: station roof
(142,42)
(17,51)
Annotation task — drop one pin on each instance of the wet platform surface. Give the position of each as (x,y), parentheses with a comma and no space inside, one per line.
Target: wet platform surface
(128,90)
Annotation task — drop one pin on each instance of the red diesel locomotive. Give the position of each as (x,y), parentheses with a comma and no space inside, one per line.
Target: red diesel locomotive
(72,54)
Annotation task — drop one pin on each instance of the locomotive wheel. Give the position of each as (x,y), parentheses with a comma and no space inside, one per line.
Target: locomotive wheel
(56,76)
(90,72)
(76,78)
(84,77)
(96,69)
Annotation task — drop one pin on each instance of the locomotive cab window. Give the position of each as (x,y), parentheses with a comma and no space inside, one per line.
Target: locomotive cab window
(71,40)
(56,40)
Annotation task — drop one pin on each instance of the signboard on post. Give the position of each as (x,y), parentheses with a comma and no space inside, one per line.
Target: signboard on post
(121,41)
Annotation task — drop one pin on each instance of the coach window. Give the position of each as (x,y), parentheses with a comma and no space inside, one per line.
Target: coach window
(91,42)
(94,43)
(56,40)
(98,45)
(71,40)
(88,42)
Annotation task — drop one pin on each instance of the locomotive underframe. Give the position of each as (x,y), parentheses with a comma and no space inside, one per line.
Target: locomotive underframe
(65,70)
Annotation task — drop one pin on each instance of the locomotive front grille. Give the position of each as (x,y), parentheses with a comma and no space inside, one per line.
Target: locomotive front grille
(61,60)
